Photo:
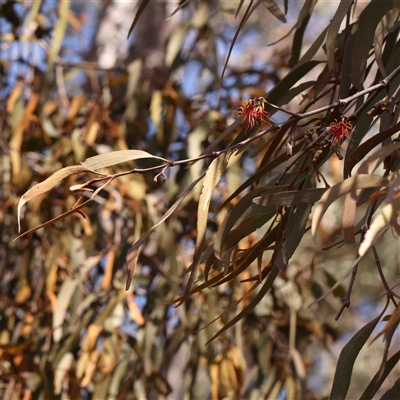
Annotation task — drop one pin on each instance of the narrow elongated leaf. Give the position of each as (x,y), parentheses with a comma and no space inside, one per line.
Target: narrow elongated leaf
(310,53)
(361,151)
(116,157)
(142,6)
(388,332)
(257,298)
(242,22)
(361,129)
(59,31)
(291,197)
(342,188)
(333,31)
(76,209)
(297,41)
(260,173)
(376,158)
(239,8)
(273,8)
(393,392)
(233,217)
(347,52)
(347,358)
(292,93)
(364,37)
(47,185)
(133,253)
(66,292)
(288,81)
(304,13)
(378,224)
(350,202)
(296,228)
(348,216)
(213,176)
(387,23)
(182,5)
(61,370)
(222,136)
(175,44)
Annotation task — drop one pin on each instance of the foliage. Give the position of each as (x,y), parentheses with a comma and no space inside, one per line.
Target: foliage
(166,238)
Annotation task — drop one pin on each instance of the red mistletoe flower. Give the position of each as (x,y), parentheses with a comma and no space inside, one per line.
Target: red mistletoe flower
(339,130)
(252,110)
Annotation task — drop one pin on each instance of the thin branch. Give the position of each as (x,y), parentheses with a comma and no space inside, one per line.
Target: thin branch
(389,293)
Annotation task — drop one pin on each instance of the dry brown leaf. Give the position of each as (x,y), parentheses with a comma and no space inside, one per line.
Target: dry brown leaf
(90,367)
(108,271)
(14,96)
(134,310)
(23,293)
(53,299)
(214,373)
(93,332)
(76,103)
(51,279)
(117,157)
(81,364)
(92,133)
(47,185)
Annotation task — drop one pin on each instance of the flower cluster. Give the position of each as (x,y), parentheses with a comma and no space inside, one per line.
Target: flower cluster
(339,130)
(252,110)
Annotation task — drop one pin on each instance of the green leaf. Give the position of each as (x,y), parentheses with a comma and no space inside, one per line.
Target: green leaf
(66,292)
(133,253)
(361,181)
(290,198)
(360,152)
(360,130)
(379,378)
(345,79)
(310,53)
(257,298)
(292,93)
(223,135)
(274,9)
(376,158)
(143,5)
(389,21)
(288,81)
(298,41)
(305,12)
(242,22)
(234,216)
(333,31)
(297,223)
(248,257)
(285,5)
(239,8)
(181,5)
(393,392)
(364,37)
(348,355)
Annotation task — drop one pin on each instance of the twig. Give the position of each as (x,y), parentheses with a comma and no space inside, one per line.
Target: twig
(346,298)
(389,293)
